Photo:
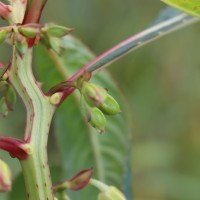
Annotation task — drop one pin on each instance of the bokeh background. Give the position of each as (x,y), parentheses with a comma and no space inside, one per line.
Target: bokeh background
(161,83)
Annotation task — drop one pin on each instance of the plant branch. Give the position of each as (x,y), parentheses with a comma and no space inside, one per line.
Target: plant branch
(135,42)
(128,45)
(34,11)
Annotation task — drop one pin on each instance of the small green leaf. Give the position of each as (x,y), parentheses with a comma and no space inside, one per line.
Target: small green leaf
(191,7)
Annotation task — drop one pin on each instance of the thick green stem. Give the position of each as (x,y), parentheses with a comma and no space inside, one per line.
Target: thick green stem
(39,114)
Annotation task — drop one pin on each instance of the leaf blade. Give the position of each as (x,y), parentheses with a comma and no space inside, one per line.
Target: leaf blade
(81,145)
(191,7)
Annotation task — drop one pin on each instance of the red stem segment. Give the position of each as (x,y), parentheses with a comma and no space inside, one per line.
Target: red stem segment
(33,15)
(34,11)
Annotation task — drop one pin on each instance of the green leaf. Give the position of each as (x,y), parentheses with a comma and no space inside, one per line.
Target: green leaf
(191,7)
(81,145)
(18,188)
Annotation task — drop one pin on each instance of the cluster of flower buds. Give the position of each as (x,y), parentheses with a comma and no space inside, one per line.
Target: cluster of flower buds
(51,34)
(96,103)
(24,36)
(12,34)
(5,177)
(7,97)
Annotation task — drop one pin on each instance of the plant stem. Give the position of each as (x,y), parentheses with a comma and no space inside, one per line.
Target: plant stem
(131,44)
(98,184)
(136,41)
(39,114)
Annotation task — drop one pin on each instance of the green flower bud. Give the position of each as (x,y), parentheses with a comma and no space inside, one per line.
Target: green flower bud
(112,193)
(98,119)
(110,106)
(3,88)
(56,30)
(10,98)
(3,34)
(5,177)
(55,98)
(93,115)
(29,32)
(93,94)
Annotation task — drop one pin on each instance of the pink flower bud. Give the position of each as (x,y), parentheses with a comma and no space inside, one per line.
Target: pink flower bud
(81,179)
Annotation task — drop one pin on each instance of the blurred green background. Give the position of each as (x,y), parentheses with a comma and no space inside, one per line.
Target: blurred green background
(161,83)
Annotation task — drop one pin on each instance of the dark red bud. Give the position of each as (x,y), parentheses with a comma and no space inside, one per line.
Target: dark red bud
(17,148)
(81,179)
